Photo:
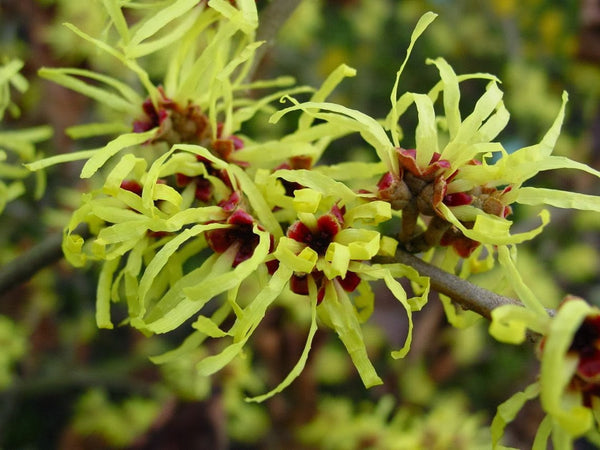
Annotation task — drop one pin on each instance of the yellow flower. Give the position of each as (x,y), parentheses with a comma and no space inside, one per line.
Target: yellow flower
(448,176)
(569,380)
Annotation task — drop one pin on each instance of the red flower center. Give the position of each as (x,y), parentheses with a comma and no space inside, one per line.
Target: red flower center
(240,234)
(328,225)
(586,343)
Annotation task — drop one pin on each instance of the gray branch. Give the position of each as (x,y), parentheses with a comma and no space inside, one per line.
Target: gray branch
(271,20)
(26,265)
(22,268)
(462,292)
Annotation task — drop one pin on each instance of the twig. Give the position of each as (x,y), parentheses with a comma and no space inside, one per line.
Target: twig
(22,268)
(271,20)
(462,292)
(26,265)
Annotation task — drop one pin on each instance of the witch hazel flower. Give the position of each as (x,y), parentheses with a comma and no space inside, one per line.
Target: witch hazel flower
(568,342)
(145,231)
(326,256)
(193,104)
(568,385)
(417,181)
(176,124)
(194,128)
(240,234)
(446,182)
(21,143)
(320,238)
(323,257)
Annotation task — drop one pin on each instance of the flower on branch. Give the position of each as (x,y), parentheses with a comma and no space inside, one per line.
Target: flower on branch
(569,381)
(193,104)
(464,199)
(568,385)
(190,211)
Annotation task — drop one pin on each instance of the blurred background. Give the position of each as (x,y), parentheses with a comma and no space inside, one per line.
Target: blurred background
(65,384)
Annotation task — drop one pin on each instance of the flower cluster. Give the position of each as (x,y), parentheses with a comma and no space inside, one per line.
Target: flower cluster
(191,211)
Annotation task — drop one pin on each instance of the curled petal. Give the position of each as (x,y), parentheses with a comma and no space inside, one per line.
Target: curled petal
(338,257)
(362,244)
(306,200)
(373,213)
(297,257)
(558,368)
(510,323)
(338,312)
(247,323)
(299,367)
(508,410)
(489,229)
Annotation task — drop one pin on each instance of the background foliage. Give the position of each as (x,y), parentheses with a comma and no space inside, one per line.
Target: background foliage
(66,384)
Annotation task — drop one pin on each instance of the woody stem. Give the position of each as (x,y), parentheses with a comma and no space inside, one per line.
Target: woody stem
(22,268)
(462,292)
(271,19)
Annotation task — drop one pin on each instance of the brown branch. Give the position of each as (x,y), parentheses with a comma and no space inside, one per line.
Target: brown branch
(462,292)
(26,265)
(271,19)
